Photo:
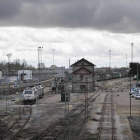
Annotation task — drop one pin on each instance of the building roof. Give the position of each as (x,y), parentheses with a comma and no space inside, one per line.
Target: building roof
(83,60)
(84,69)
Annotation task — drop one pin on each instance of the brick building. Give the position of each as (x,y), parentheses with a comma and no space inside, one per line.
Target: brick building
(82,76)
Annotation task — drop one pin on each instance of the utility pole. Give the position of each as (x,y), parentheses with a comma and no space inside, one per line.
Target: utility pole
(110,58)
(38,83)
(86,100)
(66,92)
(126,60)
(53,56)
(39,49)
(132,52)
(137,73)
(53,61)
(7,102)
(69,63)
(41,63)
(130,95)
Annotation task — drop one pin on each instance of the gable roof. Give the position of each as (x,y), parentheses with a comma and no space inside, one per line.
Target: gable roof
(84,69)
(83,60)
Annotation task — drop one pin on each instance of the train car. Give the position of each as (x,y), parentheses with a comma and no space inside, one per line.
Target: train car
(30,94)
(40,89)
(108,77)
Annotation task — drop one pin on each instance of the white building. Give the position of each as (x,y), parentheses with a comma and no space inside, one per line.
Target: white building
(24,75)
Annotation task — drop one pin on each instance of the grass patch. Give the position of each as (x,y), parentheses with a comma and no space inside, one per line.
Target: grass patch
(118,83)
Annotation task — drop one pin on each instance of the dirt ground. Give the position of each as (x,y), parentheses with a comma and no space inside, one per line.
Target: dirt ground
(50,109)
(124,109)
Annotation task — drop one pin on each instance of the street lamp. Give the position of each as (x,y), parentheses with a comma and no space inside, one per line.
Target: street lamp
(110,58)
(130,74)
(8,55)
(126,60)
(137,73)
(39,49)
(53,61)
(132,51)
(130,90)
(53,56)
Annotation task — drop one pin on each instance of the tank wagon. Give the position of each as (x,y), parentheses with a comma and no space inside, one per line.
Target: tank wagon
(30,94)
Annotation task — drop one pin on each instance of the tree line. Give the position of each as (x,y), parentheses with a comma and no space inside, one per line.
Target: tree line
(17,64)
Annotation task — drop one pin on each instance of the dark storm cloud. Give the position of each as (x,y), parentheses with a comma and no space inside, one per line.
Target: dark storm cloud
(112,15)
(8,9)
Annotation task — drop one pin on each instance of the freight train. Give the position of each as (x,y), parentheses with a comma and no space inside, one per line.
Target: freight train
(108,76)
(32,93)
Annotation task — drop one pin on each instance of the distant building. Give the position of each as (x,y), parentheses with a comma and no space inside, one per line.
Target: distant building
(82,76)
(59,72)
(24,75)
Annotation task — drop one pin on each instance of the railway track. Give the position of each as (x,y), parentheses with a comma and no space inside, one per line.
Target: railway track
(55,130)
(107,123)
(12,90)
(12,131)
(106,128)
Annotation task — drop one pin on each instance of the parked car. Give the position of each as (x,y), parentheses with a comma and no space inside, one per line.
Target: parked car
(137,96)
(133,89)
(134,93)
(16,85)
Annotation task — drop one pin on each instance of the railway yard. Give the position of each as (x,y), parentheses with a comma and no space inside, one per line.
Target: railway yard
(104,115)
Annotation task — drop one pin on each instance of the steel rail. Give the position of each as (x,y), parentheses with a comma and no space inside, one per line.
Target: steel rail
(27,119)
(6,132)
(101,120)
(65,127)
(54,125)
(10,127)
(103,113)
(112,113)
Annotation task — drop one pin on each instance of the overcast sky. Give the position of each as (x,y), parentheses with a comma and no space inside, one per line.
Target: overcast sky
(74,28)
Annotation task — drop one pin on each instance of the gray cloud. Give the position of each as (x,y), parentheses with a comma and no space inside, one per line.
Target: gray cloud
(111,15)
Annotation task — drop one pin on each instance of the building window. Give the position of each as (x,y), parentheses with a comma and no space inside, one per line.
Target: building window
(82,87)
(81,77)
